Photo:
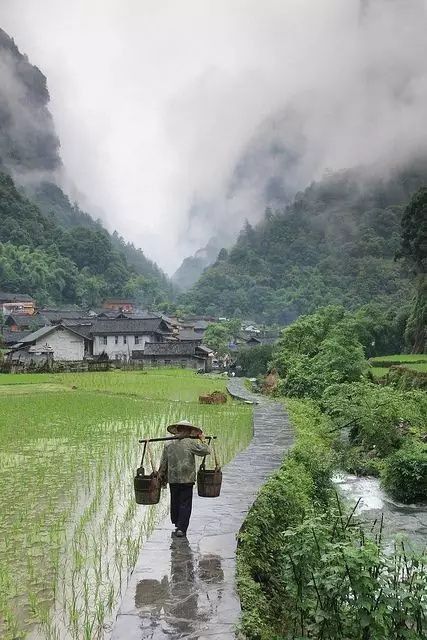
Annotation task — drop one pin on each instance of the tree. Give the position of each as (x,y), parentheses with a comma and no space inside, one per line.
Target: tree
(317,351)
(413,249)
(217,337)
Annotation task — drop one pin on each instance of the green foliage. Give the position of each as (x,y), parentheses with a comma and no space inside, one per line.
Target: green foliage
(415,332)
(405,473)
(78,265)
(413,246)
(306,569)
(380,417)
(219,335)
(316,351)
(413,249)
(254,360)
(408,377)
(334,245)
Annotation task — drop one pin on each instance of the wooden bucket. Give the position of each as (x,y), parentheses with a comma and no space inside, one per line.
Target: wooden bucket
(209,482)
(147,488)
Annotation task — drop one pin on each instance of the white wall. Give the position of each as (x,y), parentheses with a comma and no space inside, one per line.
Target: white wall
(119,350)
(65,344)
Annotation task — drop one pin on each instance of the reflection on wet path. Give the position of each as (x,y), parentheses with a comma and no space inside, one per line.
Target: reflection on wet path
(186,588)
(178,600)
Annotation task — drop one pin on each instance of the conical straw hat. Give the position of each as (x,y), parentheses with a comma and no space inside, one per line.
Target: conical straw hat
(183,425)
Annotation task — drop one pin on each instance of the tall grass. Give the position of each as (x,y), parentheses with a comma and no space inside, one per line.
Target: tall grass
(70,531)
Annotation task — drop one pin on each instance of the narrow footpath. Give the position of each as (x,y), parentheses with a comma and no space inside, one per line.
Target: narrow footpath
(186,588)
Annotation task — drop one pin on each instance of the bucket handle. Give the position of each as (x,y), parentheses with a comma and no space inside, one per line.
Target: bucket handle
(203,463)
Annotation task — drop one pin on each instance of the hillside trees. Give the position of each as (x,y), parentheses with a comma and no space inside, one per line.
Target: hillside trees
(73,265)
(413,249)
(335,244)
(317,351)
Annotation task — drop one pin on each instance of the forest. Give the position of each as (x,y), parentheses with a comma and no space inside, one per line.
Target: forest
(335,244)
(53,251)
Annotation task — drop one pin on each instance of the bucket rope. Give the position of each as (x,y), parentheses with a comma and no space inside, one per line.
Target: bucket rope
(150,457)
(217,465)
(216,459)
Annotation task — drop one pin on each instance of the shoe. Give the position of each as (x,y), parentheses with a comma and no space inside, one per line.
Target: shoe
(179,533)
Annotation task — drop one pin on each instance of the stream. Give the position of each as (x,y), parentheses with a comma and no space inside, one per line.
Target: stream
(407,520)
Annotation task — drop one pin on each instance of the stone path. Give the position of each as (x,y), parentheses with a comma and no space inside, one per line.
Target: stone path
(186,588)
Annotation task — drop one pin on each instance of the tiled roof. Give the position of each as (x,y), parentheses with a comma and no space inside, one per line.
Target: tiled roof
(189,334)
(12,337)
(201,325)
(130,325)
(56,315)
(169,349)
(26,320)
(44,331)
(15,297)
(174,349)
(82,328)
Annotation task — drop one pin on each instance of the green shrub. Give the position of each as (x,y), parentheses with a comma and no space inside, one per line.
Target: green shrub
(405,473)
(254,361)
(405,378)
(376,414)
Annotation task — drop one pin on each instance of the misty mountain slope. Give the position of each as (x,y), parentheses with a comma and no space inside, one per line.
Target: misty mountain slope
(192,267)
(80,265)
(28,141)
(335,244)
(52,201)
(41,213)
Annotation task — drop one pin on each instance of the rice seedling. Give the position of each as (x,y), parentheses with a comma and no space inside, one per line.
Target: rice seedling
(71,530)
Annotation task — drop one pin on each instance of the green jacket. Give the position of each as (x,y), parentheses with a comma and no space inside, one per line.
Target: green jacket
(178,463)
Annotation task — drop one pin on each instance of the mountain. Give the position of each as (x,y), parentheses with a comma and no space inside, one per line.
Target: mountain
(335,244)
(192,267)
(80,265)
(28,141)
(51,248)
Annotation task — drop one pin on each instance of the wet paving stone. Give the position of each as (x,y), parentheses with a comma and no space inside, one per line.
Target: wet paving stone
(185,588)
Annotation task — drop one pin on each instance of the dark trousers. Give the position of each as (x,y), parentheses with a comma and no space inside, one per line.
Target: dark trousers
(181,503)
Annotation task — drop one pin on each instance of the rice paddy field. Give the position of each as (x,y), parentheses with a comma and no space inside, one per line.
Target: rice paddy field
(70,530)
(380,365)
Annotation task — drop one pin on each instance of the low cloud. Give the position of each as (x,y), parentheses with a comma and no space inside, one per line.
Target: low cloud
(179,120)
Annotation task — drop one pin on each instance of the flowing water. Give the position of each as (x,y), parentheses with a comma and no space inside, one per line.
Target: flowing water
(406,520)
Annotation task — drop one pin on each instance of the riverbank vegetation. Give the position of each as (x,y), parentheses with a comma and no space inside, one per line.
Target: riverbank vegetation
(307,566)
(70,531)
(308,569)
(322,357)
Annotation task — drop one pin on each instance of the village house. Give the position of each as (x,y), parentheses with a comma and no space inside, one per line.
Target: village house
(119,304)
(254,341)
(56,316)
(189,355)
(16,303)
(19,322)
(119,338)
(56,342)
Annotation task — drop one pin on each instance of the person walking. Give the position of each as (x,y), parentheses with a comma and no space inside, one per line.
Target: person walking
(178,468)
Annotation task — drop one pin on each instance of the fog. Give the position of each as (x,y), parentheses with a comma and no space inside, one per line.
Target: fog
(178,120)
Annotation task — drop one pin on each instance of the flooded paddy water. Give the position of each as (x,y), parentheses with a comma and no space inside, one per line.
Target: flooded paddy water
(70,531)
